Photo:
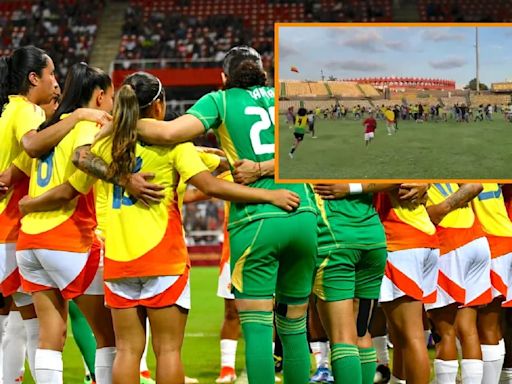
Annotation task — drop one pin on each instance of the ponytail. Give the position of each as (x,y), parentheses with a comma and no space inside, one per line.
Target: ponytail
(124,137)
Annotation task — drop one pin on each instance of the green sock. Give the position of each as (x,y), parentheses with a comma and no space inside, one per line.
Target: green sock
(368,364)
(258,329)
(296,359)
(83,335)
(346,366)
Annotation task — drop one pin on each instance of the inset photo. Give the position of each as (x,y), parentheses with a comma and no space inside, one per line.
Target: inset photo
(412,102)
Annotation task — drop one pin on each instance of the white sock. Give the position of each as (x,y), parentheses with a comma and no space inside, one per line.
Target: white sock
(446,371)
(273,347)
(14,348)
(324,354)
(48,366)
(396,380)
(3,325)
(380,343)
(506,376)
(228,353)
(32,330)
(144,359)
(316,349)
(493,356)
(472,371)
(427,334)
(103,365)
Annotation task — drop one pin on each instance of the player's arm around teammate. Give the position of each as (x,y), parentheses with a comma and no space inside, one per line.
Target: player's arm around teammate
(238,114)
(56,251)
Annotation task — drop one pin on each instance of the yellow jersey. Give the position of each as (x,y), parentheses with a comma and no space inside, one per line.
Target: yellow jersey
(70,228)
(19,117)
(406,228)
(490,210)
(458,227)
(145,241)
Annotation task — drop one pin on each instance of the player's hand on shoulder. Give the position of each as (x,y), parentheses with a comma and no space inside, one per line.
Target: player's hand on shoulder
(213,151)
(285,199)
(332,191)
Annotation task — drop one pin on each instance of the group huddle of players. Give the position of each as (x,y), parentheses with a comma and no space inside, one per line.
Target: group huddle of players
(92,213)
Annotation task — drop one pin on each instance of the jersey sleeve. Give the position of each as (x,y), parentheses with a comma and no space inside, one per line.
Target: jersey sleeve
(24,163)
(208,109)
(81,181)
(29,118)
(186,161)
(211,160)
(84,133)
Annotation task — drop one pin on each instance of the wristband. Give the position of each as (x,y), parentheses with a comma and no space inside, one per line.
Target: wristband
(355,188)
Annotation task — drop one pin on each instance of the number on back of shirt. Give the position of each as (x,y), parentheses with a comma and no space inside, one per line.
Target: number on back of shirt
(266,121)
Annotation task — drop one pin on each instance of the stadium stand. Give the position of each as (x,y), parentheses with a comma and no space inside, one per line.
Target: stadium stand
(66,29)
(345,89)
(501,87)
(489,99)
(369,90)
(468,10)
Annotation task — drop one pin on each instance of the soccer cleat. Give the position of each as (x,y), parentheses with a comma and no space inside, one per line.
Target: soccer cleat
(322,375)
(87,380)
(145,378)
(382,374)
(314,137)
(278,363)
(227,375)
(191,380)
(290,154)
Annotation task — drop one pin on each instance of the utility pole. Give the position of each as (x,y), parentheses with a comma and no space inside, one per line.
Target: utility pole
(477,62)
(322,74)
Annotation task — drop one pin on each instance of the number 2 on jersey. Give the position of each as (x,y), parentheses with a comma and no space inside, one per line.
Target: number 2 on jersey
(266,121)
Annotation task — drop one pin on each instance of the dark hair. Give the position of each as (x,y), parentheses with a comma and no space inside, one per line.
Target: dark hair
(148,89)
(302,111)
(124,136)
(14,71)
(247,74)
(80,84)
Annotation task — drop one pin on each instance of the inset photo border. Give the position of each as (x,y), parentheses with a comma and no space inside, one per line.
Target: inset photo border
(393,101)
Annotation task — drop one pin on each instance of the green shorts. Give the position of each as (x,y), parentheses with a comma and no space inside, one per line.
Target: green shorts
(274,255)
(349,273)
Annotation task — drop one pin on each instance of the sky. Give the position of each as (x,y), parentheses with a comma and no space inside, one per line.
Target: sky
(438,52)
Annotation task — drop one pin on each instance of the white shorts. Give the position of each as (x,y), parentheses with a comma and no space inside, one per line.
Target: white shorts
(9,274)
(368,135)
(501,278)
(71,272)
(150,292)
(465,276)
(410,272)
(224,284)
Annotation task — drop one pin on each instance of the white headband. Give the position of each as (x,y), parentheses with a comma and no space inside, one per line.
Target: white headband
(156,96)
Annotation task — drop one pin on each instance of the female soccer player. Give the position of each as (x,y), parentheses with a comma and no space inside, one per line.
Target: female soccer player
(410,279)
(56,250)
(26,80)
(301,123)
(243,117)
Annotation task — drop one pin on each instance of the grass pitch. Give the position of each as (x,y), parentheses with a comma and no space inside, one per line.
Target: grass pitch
(427,150)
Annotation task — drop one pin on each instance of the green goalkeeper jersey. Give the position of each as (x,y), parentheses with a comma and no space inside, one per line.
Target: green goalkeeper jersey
(243,120)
